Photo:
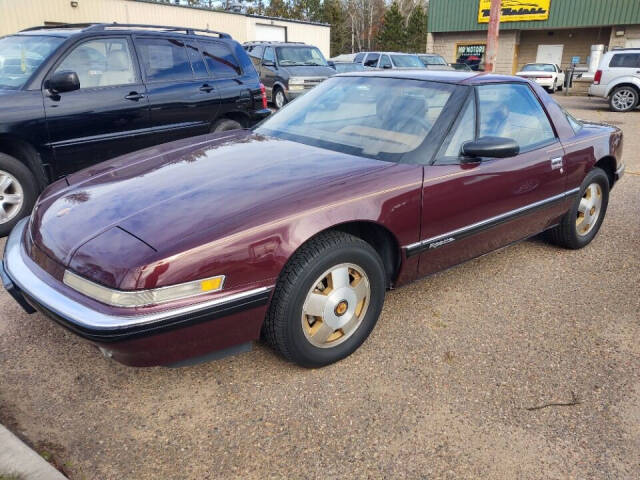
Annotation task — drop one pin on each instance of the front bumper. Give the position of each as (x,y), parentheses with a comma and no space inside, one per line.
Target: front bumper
(620,172)
(159,338)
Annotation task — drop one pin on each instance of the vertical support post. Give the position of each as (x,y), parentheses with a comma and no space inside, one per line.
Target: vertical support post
(492,36)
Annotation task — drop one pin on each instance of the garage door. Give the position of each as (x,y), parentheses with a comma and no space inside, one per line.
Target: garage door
(550,54)
(632,43)
(271,33)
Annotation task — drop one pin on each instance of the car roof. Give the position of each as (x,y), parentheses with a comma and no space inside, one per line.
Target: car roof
(445,76)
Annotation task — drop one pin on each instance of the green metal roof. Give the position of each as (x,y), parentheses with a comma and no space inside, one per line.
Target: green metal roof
(462,15)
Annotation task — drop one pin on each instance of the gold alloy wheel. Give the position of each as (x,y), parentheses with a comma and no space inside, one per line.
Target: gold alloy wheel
(589,209)
(335,305)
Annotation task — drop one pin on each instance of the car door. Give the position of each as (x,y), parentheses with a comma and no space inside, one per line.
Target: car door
(385,62)
(227,77)
(268,71)
(371,61)
(473,206)
(182,98)
(109,114)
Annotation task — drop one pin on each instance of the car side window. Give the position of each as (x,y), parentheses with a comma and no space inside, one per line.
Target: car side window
(269,56)
(625,60)
(511,110)
(463,131)
(372,60)
(101,63)
(219,59)
(385,62)
(164,59)
(197,62)
(359,58)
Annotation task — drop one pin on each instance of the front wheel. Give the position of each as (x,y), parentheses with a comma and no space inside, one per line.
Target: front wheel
(327,300)
(581,223)
(17,192)
(279,98)
(623,99)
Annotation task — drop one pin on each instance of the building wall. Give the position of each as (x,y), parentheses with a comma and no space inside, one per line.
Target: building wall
(577,42)
(17,15)
(631,32)
(445,44)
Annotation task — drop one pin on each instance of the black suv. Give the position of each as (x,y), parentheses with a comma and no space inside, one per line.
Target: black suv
(75,95)
(288,69)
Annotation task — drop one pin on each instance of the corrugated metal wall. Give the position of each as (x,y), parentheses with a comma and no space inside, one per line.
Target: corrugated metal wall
(462,15)
(19,14)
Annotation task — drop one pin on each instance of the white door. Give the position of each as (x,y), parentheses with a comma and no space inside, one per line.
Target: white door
(550,54)
(632,43)
(270,33)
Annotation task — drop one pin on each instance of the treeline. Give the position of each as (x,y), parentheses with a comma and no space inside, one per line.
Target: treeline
(356,25)
(359,25)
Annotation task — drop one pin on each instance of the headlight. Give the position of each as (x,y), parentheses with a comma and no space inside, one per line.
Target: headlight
(296,83)
(141,298)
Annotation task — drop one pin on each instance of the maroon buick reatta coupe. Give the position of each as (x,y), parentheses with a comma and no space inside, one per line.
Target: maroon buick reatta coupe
(295,229)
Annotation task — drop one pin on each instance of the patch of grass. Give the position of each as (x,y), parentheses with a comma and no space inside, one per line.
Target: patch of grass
(11,476)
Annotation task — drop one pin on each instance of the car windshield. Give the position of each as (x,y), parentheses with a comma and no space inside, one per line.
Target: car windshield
(289,56)
(538,67)
(432,60)
(381,118)
(21,55)
(349,67)
(407,61)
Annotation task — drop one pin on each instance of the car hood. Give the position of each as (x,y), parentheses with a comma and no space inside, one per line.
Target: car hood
(204,187)
(309,71)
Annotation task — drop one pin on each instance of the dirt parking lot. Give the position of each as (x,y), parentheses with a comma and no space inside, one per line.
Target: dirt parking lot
(445,387)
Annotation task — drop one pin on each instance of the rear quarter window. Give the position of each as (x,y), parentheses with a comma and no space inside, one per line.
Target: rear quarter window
(219,58)
(625,60)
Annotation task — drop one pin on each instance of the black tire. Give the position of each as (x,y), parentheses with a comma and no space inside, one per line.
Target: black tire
(282,327)
(617,105)
(225,124)
(277,94)
(26,183)
(566,233)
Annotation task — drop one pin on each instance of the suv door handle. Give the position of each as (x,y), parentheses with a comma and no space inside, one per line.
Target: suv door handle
(206,88)
(135,96)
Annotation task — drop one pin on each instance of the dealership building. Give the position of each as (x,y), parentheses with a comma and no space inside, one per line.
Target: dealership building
(17,15)
(550,31)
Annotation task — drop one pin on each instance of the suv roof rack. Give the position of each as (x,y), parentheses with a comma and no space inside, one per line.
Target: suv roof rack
(253,42)
(617,49)
(105,26)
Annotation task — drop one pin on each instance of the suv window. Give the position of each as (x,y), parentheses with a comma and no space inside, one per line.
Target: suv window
(197,63)
(372,60)
(385,61)
(101,63)
(512,111)
(164,59)
(21,55)
(220,61)
(269,55)
(359,58)
(255,51)
(625,60)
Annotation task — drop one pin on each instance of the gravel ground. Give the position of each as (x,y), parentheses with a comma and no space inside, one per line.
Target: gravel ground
(442,389)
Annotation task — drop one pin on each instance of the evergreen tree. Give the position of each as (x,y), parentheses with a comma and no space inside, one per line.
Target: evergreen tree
(333,13)
(417,31)
(392,36)
(277,8)
(309,10)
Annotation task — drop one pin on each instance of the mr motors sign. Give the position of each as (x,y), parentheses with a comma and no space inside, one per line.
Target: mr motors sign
(516,10)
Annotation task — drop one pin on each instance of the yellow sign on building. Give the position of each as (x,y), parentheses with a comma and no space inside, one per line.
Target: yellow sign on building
(516,10)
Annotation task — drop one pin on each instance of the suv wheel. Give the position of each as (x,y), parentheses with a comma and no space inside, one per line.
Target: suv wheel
(279,99)
(623,99)
(17,192)
(225,124)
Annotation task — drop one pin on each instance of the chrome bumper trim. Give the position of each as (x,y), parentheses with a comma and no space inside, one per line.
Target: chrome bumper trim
(86,318)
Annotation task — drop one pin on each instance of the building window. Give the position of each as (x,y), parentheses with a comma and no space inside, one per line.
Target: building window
(472,55)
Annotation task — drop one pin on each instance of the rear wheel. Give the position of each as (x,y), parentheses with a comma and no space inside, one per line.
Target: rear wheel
(581,223)
(225,124)
(17,192)
(623,99)
(327,300)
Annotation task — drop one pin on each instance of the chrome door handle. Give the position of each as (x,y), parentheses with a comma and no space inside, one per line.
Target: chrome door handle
(134,96)
(206,88)
(556,163)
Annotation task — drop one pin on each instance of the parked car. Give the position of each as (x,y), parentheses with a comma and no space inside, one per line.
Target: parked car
(388,60)
(431,61)
(76,95)
(461,67)
(288,70)
(547,75)
(296,227)
(345,67)
(618,79)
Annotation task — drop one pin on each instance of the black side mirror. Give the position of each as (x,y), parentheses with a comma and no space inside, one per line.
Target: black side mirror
(491,147)
(268,63)
(331,64)
(63,81)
